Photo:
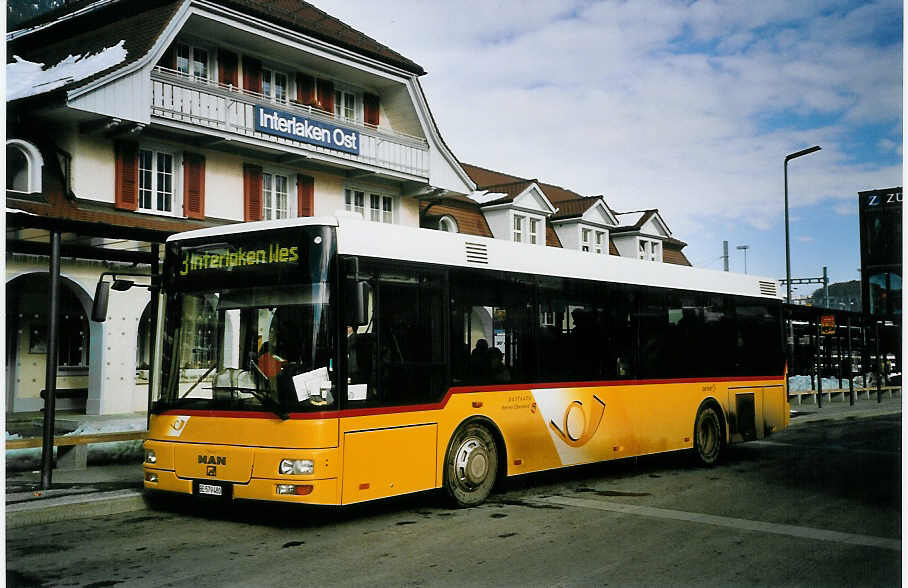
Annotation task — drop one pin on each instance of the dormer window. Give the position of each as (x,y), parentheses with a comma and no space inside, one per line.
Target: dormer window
(649,250)
(593,241)
(192,61)
(447,224)
(527,229)
(23,167)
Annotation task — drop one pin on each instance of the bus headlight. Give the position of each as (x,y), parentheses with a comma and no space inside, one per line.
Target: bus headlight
(296,466)
(150,456)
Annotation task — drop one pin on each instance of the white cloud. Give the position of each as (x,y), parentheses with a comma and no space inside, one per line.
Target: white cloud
(690,109)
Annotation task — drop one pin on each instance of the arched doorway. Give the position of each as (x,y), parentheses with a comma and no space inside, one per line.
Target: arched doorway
(26,343)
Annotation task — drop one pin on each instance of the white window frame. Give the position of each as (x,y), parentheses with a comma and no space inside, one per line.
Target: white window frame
(341,91)
(268,212)
(600,242)
(531,229)
(190,70)
(387,212)
(176,193)
(351,195)
(272,73)
(518,224)
(33,165)
(448,224)
(586,239)
(649,249)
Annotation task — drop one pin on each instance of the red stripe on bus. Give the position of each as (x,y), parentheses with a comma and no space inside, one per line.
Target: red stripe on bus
(355,412)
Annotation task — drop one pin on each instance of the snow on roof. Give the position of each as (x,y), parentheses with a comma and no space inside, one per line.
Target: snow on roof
(484,197)
(26,78)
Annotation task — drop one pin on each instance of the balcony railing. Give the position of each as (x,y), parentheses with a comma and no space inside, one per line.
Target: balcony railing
(207,104)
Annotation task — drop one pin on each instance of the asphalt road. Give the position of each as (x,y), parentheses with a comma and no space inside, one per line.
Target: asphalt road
(817,505)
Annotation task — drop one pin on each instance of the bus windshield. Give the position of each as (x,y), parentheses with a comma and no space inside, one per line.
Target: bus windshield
(256,349)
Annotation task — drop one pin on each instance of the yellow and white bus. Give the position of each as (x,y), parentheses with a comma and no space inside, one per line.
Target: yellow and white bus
(333,360)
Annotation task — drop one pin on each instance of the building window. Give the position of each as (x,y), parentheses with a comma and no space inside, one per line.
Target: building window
(155,181)
(381,208)
(518,228)
(649,250)
(274,85)
(354,201)
(192,61)
(601,240)
(534,231)
(345,105)
(447,224)
(585,239)
(275,203)
(23,167)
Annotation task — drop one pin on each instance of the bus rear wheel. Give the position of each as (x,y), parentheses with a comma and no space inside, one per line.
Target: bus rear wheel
(471,465)
(707,436)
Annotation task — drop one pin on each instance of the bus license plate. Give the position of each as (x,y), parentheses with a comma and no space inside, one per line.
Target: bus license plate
(211,490)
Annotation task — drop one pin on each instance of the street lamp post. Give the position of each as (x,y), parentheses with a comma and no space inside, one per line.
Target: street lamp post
(744,248)
(788,158)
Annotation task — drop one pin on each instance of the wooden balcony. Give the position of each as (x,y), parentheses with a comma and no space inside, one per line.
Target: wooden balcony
(208,105)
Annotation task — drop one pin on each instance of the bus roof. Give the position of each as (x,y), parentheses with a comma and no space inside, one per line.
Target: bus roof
(356,236)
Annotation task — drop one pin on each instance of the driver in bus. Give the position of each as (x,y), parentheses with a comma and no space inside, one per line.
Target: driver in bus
(269,362)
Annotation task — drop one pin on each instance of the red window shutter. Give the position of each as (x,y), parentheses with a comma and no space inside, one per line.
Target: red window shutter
(370,109)
(252,75)
(126,171)
(305,195)
(227,68)
(193,185)
(305,89)
(169,59)
(252,192)
(326,95)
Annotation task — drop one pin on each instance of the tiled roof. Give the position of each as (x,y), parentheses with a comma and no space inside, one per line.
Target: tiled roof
(574,208)
(141,22)
(470,219)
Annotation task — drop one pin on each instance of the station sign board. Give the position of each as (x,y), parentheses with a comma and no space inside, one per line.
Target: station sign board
(306,130)
(827,324)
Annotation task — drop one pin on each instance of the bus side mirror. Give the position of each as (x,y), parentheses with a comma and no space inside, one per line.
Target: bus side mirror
(99,308)
(357,306)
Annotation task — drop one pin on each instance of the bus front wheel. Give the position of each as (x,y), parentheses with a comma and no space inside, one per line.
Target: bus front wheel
(707,436)
(471,465)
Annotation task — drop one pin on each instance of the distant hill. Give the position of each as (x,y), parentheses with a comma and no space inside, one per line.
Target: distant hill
(842,296)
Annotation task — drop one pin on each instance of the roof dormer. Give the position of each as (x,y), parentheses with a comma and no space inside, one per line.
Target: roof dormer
(516,211)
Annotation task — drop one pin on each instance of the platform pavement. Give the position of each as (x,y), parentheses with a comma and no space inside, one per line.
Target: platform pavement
(104,489)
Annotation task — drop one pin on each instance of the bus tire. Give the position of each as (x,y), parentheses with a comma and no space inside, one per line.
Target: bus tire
(707,436)
(471,465)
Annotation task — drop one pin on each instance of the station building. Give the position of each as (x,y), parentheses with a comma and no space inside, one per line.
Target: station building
(129,121)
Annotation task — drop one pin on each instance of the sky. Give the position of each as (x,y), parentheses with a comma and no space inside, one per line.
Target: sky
(689,107)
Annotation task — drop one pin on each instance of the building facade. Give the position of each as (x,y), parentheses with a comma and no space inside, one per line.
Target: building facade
(129,121)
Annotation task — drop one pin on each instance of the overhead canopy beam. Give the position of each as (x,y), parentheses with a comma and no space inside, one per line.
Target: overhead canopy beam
(79,251)
(24,220)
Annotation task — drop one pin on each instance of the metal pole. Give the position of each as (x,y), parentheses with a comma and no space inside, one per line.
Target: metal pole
(787,242)
(50,375)
(725,254)
(155,270)
(850,368)
(819,368)
(825,288)
(879,363)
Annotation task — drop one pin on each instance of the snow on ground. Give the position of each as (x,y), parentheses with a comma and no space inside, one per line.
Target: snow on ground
(113,452)
(798,383)
(27,78)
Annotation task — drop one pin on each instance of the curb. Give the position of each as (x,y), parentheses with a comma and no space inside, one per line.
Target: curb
(67,508)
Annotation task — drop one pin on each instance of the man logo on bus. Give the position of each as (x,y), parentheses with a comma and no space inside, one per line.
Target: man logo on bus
(576,431)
